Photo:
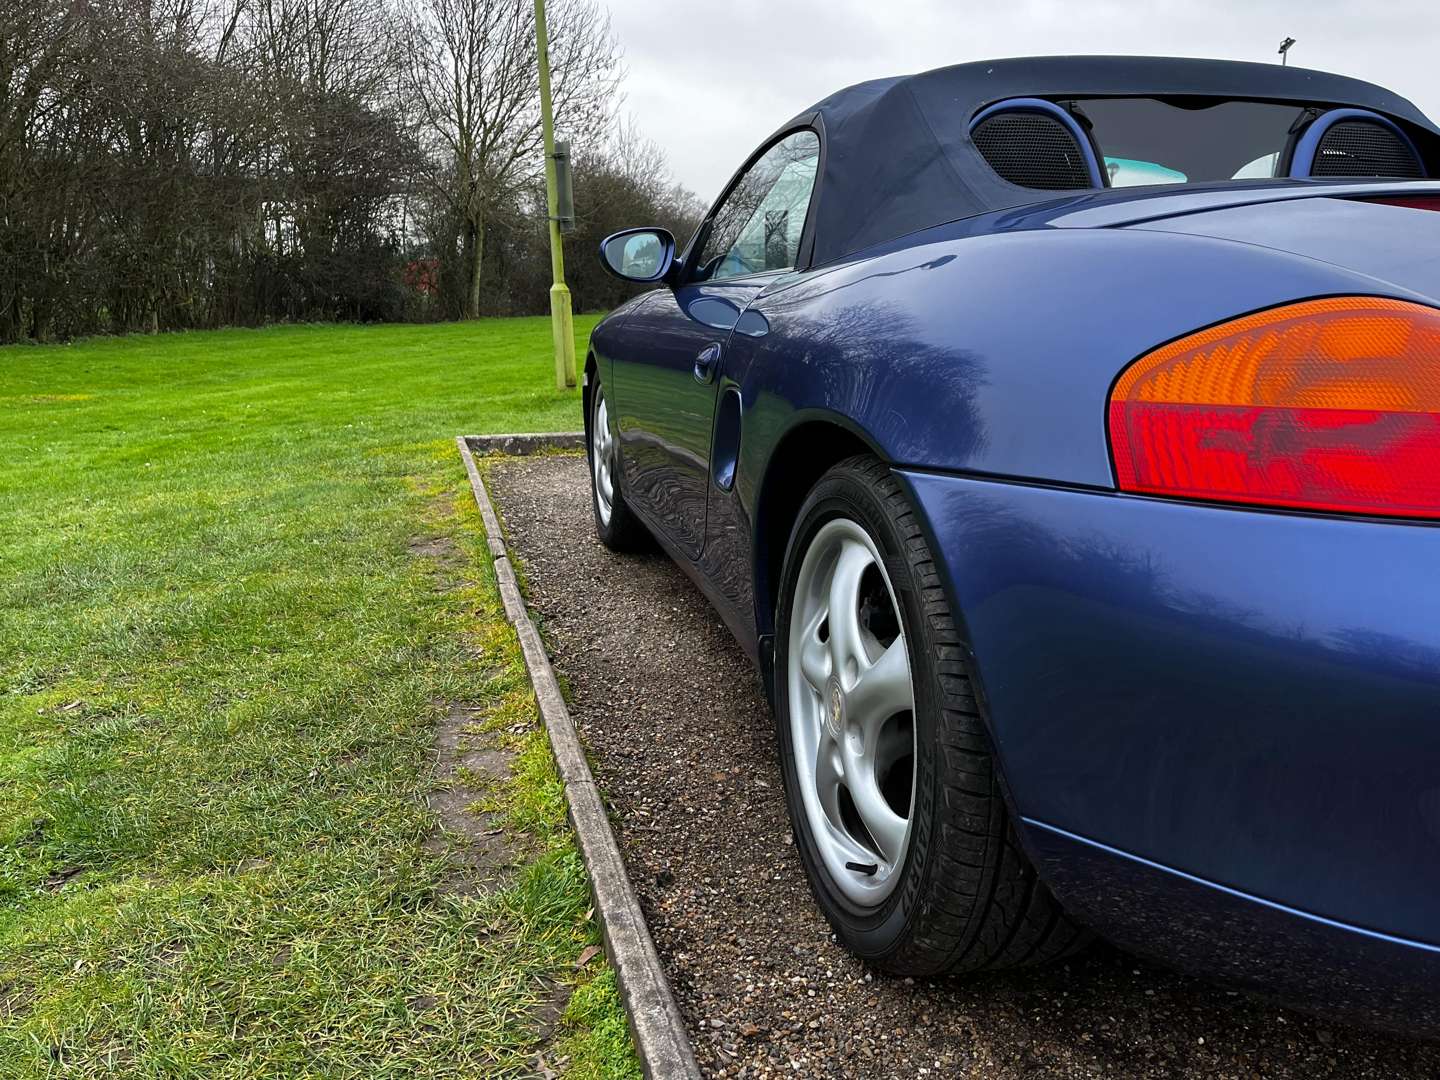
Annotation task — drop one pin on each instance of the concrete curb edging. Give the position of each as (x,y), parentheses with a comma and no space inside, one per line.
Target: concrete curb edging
(655,1022)
(518,445)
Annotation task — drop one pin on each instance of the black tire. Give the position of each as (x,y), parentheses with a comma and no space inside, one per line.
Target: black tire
(967,899)
(620,530)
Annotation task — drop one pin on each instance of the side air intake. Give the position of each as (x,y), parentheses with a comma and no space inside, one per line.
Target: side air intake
(1365,148)
(1033,150)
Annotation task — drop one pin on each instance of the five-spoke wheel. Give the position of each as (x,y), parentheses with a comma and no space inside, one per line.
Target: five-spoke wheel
(616,525)
(852,711)
(602,457)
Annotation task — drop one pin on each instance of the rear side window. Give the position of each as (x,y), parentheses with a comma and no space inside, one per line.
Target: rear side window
(758,226)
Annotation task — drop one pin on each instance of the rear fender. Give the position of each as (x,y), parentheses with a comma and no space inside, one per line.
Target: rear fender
(995,354)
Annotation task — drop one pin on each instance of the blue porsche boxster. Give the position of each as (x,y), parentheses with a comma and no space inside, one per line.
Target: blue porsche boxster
(1062,438)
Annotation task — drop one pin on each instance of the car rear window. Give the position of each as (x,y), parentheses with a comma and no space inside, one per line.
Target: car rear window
(1178,140)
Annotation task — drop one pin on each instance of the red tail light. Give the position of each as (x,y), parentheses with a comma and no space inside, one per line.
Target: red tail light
(1322,405)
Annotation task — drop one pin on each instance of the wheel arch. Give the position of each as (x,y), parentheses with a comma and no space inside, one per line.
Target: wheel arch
(808,448)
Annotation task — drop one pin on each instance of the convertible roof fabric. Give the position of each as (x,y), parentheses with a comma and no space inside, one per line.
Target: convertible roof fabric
(898,155)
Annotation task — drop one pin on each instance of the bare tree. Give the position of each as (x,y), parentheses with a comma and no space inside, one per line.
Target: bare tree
(167,164)
(472,84)
(37,86)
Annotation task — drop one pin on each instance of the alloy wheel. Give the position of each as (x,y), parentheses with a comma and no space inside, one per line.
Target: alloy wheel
(851,706)
(602,451)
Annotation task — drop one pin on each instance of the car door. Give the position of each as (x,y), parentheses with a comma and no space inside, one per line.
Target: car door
(674,343)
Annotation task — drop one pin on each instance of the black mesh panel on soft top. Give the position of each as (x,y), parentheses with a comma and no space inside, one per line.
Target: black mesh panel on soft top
(1364,148)
(1032,150)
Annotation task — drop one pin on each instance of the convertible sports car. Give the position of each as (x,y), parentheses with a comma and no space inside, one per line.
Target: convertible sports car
(1062,438)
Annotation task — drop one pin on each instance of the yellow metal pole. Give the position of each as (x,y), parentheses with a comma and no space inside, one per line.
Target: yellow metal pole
(561,327)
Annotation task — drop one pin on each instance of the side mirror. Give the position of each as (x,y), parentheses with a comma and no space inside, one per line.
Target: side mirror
(640,255)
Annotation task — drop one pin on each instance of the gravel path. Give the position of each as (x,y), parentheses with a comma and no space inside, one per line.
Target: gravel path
(683,748)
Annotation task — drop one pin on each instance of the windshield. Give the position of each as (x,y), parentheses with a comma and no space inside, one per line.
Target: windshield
(1179,140)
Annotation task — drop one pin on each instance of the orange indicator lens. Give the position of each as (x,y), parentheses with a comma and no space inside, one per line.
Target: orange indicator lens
(1321,405)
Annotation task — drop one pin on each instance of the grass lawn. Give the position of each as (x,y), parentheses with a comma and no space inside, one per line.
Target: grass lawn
(225,642)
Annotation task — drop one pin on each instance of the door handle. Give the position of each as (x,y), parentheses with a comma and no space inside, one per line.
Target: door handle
(705,362)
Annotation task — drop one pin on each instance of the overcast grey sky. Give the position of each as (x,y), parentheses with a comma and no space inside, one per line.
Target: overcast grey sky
(708,79)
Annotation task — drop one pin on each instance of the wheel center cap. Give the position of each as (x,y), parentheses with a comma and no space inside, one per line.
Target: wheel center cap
(835,708)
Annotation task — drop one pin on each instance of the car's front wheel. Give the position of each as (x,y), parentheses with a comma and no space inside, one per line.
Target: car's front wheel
(615,523)
(889,772)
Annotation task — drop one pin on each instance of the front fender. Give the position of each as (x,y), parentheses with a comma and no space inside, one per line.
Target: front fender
(605,335)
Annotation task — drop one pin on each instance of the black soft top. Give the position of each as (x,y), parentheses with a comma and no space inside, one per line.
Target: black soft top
(897,154)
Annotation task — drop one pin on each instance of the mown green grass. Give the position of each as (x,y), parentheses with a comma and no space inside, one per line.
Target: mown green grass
(220,666)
